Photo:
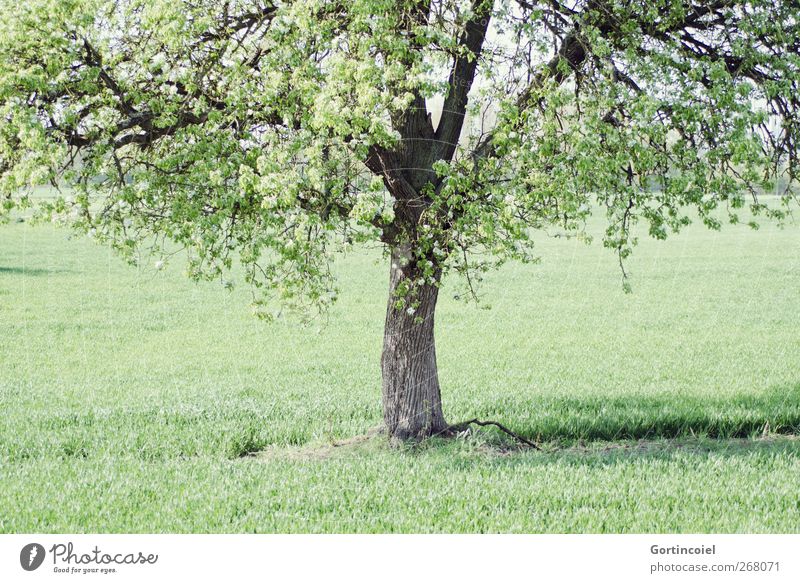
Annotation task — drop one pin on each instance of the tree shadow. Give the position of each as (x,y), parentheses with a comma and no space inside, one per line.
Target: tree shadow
(32,271)
(594,430)
(595,418)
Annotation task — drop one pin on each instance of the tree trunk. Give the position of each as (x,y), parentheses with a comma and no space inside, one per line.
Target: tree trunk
(412,403)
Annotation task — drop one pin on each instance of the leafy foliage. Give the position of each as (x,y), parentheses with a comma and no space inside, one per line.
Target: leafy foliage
(283,132)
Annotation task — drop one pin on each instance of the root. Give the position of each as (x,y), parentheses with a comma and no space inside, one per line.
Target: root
(459,427)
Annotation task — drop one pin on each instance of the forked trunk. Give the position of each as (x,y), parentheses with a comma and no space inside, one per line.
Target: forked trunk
(412,403)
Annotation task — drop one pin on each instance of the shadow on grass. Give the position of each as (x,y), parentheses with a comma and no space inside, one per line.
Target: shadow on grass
(599,431)
(35,271)
(663,417)
(591,426)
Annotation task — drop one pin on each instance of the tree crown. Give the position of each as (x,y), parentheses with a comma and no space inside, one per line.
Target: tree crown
(284,131)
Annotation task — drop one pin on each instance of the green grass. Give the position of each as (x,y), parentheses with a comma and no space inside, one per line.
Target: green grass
(131,400)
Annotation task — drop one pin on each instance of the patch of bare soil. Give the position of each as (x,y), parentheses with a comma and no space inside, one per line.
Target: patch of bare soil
(319,451)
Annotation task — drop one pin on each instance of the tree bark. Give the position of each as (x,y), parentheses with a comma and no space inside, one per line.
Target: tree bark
(412,402)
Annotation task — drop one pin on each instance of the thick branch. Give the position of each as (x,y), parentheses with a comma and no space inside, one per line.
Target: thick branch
(462,76)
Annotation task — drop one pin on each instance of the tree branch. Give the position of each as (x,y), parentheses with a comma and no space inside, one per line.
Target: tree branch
(461,78)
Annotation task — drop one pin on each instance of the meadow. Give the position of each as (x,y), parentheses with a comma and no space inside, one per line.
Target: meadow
(134,400)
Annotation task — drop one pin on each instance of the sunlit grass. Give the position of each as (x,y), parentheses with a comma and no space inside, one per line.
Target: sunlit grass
(132,399)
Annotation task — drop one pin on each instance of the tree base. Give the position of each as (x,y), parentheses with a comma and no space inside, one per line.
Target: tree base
(455,430)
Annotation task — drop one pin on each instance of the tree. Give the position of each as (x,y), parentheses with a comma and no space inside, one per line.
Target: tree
(447,130)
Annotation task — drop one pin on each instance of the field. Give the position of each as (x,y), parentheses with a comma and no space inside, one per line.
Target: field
(138,401)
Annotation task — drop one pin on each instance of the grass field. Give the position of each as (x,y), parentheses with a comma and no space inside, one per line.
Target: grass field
(138,401)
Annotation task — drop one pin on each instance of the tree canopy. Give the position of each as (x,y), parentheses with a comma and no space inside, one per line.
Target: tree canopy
(282,132)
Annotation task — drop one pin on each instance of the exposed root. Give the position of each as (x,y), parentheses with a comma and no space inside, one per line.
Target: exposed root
(459,427)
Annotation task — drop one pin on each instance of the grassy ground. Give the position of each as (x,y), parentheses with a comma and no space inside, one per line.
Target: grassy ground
(139,401)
